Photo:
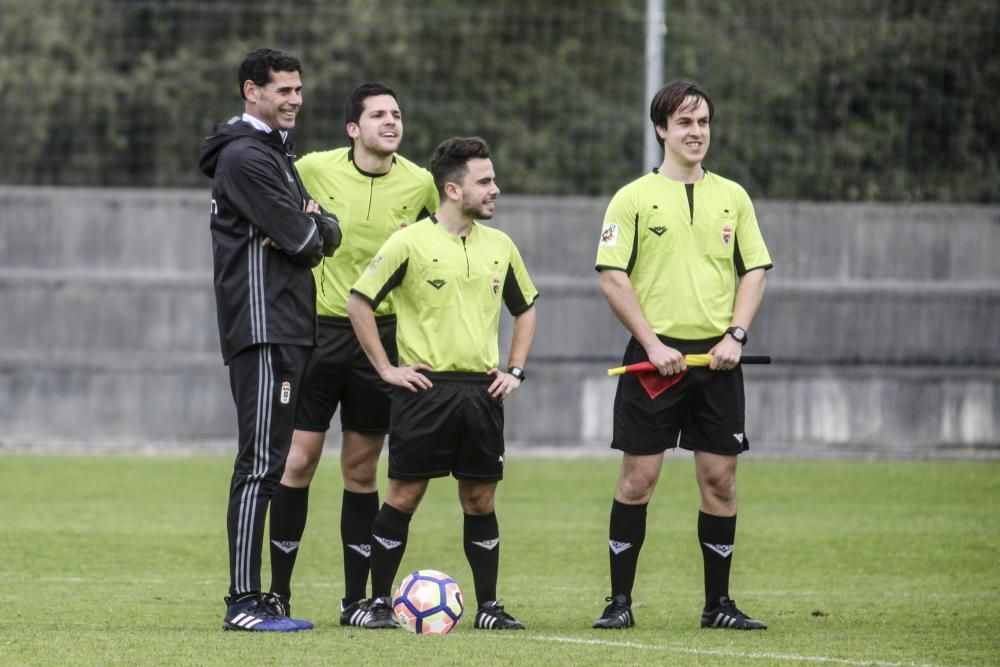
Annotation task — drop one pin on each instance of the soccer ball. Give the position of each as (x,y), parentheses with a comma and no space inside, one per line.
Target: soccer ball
(428,602)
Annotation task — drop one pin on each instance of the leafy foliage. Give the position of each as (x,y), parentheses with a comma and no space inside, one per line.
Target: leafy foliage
(846,100)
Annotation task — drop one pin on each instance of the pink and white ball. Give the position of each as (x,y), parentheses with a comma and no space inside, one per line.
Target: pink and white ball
(428,602)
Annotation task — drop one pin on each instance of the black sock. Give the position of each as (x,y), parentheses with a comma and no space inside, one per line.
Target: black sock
(626,535)
(389,532)
(482,548)
(716,535)
(357,514)
(289,508)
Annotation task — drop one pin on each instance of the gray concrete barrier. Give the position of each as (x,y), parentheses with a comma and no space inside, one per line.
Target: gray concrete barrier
(881,319)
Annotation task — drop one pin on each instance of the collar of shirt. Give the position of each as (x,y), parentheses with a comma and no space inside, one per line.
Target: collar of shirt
(257,123)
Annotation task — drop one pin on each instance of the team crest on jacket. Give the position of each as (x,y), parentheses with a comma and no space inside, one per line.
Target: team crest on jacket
(495,284)
(609,234)
(727,234)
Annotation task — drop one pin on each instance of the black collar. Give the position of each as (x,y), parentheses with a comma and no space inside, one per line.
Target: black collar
(350,156)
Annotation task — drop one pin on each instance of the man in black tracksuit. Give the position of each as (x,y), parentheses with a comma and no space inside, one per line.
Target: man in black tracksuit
(266,236)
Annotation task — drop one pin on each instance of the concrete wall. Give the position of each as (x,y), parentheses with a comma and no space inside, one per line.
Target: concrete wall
(882,321)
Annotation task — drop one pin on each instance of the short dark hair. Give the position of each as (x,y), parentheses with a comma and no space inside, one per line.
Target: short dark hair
(259,63)
(448,164)
(669,98)
(354,106)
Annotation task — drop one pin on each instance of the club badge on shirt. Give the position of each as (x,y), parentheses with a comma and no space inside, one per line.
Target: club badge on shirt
(727,234)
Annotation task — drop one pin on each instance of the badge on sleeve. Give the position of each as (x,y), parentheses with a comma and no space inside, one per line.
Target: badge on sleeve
(609,234)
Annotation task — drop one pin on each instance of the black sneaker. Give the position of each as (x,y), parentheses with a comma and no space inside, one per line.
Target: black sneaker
(256,613)
(726,615)
(354,613)
(380,615)
(491,616)
(618,614)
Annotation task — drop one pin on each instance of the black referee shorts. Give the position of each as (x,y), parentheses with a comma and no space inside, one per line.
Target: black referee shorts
(455,427)
(339,373)
(704,411)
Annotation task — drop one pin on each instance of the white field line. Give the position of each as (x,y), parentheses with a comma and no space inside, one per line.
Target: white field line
(727,654)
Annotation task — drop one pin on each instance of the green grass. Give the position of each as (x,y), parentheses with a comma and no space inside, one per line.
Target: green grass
(122,560)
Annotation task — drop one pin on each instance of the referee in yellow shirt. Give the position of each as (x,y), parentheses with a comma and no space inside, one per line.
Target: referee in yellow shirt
(374,191)
(682,263)
(449,276)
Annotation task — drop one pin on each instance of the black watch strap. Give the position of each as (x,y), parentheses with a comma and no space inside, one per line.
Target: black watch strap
(739,334)
(517,372)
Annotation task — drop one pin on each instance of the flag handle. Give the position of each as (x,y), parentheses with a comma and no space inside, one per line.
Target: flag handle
(692,360)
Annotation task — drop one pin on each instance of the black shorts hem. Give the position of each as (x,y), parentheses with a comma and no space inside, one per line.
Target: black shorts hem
(417,477)
(309,428)
(635,452)
(721,451)
(469,477)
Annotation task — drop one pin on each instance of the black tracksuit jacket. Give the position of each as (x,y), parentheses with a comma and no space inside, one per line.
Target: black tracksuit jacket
(263,294)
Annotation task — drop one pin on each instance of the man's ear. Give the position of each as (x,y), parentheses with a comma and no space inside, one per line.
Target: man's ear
(453,190)
(250,91)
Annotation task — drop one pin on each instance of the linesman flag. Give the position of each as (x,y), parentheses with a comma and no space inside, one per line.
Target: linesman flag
(655,384)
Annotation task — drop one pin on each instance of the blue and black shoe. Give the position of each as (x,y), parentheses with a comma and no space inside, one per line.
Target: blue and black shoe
(258,612)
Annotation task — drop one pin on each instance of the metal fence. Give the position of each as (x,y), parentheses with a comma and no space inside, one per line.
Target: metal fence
(855,100)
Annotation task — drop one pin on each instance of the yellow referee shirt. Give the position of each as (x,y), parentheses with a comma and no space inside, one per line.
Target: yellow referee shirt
(447,291)
(682,247)
(369,207)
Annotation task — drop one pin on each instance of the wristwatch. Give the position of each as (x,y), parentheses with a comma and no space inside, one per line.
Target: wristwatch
(739,334)
(517,372)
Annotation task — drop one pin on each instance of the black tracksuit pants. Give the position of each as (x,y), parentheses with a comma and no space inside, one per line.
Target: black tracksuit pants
(265,381)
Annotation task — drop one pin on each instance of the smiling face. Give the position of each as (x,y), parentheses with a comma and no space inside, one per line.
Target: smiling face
(686,136)
(278,102)
(478,189)
(379,129)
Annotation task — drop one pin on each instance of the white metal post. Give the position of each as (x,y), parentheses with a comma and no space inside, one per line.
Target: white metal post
(656,30)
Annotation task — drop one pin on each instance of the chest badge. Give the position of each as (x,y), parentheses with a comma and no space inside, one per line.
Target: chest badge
(495,284)
(727,234)
(658,230)
(437,283)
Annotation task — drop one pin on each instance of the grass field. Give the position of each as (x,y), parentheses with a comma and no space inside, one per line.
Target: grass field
(122,560)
